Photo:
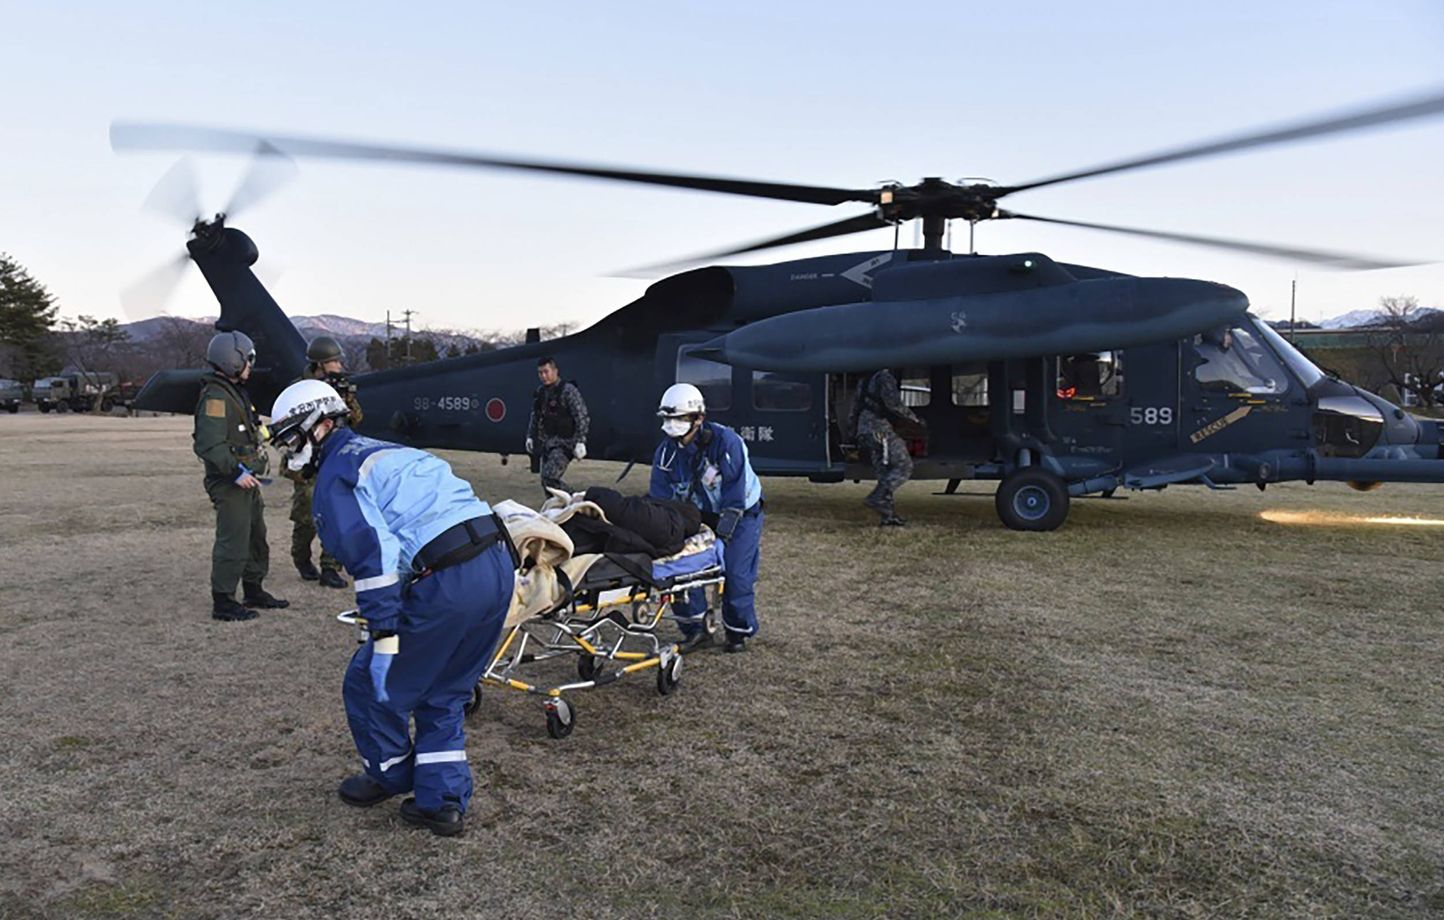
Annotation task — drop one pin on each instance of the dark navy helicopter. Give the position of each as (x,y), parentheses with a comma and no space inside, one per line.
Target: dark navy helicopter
(1057,380)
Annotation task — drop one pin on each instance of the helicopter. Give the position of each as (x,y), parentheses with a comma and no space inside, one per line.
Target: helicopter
(1057,380)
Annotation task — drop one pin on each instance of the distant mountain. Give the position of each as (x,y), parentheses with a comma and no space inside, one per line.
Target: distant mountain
(1367,317)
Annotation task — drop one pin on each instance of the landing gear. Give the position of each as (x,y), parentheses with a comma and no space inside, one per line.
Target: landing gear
(561,717)
(1032,499)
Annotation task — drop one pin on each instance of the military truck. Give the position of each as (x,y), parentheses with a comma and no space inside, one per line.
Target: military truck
(77,392)
(11,393)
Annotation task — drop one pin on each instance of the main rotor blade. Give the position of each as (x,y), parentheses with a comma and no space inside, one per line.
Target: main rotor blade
(1337,260)
(150,293)
(177,195)
(134,136)
(269,170)
(858,224)
(1407,110)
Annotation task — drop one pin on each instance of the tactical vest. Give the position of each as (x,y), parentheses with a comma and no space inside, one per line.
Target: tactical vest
(553,419)
(244,434)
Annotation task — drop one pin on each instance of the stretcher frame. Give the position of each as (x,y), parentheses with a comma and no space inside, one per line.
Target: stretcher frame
(601,627)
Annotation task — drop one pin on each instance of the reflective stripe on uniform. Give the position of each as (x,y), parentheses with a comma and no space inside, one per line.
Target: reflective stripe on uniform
(440,757)
(370,461)
(378,581)
(388,764)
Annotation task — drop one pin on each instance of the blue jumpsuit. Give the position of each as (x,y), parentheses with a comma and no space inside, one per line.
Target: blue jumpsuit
(715,474)
(376,504)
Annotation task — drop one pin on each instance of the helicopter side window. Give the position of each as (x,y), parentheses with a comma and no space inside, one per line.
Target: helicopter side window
(713,378)
(1090,376)
(774,392)
(970,389)
(916,385)
(1233,360)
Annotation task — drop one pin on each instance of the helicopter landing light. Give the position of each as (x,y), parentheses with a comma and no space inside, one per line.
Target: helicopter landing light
(1330,519)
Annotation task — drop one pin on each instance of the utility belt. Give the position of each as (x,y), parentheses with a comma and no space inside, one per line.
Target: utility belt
(755,509)
(461,543)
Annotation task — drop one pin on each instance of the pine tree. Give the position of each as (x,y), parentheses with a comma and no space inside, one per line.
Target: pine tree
(27,312)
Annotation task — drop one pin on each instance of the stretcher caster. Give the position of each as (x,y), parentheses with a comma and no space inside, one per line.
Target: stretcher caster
(669,672)
(590,667)
(561,717)
(472,705)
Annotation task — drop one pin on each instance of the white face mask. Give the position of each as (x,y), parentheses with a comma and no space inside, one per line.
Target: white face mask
(298,460)
(676,427)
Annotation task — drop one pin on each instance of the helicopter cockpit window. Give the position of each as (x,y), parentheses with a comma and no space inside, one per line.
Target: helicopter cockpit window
(1090,376)
(774,392)
(1233,359)
(1305,369)
(713,378)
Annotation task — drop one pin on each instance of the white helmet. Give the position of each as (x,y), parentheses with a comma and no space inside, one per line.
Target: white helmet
(298,410)
(681,399)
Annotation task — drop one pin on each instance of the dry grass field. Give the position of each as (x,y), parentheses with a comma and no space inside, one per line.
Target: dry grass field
(1170,707)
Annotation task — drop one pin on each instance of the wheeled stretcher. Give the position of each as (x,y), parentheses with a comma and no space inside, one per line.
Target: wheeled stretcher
(608,619)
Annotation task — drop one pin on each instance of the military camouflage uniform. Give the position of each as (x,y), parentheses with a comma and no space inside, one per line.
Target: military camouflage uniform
(878,401)
(559,422)
(303,526)
(228,434)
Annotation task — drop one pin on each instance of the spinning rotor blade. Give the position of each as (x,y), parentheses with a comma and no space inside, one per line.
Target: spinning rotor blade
(152,292)
(269,170)
(1422,107)
(841,228)
(1336,260)
(133,136)
(177,194)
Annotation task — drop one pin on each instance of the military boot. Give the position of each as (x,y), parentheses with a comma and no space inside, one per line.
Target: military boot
(330,578)
(253,595)
(224,607)
(307,570)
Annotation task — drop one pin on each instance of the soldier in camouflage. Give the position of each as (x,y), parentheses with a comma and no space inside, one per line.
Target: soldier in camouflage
(325,362)
(557,431)
(228,440)
(878,403)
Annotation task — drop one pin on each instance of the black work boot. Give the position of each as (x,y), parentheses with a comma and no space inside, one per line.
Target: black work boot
(253,595)
(361,791)
(330,578)
(892,520)
(736,642)
(224,607)
(446,821)
(307,570)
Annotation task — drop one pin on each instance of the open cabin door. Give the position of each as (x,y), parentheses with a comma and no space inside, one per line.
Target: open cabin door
(782,417)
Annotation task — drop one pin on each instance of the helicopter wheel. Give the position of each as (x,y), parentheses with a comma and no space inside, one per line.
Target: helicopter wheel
(472,705)
(1032,499)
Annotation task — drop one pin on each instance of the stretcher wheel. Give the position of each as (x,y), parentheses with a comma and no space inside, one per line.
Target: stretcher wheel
(473,704)
(589,667)
(669,673)
(561,718)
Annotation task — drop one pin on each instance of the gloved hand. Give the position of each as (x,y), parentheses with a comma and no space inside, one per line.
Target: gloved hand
(529,446)
(580,451)
(384,646)
(727,522)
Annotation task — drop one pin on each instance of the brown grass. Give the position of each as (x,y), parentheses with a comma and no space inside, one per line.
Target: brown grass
(1171,707)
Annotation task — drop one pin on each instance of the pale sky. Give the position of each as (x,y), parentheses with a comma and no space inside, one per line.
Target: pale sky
(831,93)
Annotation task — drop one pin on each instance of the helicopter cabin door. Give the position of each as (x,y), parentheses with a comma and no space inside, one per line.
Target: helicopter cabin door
(782,417)
(1090,403)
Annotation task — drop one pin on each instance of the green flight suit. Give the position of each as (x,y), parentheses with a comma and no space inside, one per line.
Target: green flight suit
(303,526)
(228,434)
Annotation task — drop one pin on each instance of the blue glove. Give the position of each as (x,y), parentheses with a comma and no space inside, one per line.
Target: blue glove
(383,651)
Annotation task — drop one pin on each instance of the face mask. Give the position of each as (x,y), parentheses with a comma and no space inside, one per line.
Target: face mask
(298,460)
(676,427)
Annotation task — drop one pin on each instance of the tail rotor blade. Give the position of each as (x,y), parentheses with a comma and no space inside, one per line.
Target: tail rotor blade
(270,169)
(177,194)
(149,295)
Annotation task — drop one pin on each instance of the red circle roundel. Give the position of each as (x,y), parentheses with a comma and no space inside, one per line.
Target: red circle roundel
(495,409)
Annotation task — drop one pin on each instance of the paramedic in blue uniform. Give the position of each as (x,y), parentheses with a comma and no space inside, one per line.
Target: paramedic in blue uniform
(433,575)
(706,464)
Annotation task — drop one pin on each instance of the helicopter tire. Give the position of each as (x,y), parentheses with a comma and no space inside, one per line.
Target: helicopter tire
(1032,499)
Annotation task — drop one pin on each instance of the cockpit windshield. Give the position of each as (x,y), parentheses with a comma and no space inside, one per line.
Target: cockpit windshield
(1302,367)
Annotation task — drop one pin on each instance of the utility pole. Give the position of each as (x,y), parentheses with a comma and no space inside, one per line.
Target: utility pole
(1293,300)
(386,354)
(408,313)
